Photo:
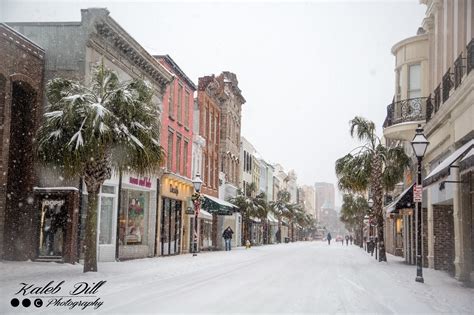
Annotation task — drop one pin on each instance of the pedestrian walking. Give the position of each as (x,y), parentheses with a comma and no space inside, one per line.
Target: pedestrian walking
(227,235)
(350,239)
(329,238)
(347,240)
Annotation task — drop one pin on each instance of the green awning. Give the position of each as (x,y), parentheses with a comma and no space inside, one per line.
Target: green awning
(218,206)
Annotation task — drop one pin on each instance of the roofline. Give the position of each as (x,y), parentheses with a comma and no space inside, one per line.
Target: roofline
(408,40)
(5,25)
(178,69)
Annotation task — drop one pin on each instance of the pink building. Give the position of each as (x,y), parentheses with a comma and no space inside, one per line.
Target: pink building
(174,221)
(177,120)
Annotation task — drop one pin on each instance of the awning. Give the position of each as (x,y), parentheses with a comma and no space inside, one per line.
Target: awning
(271,218)
(467,161)
(203,214)
(404,200)
(216,205)
(443,169)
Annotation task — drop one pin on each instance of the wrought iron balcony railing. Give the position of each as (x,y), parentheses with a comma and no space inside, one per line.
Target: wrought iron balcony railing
(451,80)
(413,109)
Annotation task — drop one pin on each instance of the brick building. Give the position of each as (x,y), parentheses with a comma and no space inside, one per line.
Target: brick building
(176,138)
(21,100)
(209,129)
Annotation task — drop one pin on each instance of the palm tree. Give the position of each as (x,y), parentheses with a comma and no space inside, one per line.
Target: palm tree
(89,131)
(280,206)
(353,210)
(249,207)
(373,167)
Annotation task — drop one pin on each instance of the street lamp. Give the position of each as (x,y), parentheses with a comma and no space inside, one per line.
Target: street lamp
(197,183)
(419,144)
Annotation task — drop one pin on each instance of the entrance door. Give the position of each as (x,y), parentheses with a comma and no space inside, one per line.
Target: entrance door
(171,227)
(52,234)
(107,224)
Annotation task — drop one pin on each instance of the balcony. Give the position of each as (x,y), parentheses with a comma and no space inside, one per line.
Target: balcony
(403,117)
(452,80)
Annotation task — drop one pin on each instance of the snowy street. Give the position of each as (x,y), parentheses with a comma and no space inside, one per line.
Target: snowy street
(299,277)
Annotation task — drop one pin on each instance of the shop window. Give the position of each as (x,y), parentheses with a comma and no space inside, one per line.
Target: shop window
(133,217)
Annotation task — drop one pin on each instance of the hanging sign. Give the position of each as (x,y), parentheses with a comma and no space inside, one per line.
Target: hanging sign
(417,193)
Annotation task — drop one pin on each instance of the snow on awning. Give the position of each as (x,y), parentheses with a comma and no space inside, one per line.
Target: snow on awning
(216,205)
(203,214)
(404,200)
(443,169)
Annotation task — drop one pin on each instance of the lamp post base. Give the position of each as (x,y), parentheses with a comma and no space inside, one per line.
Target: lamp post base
(419,279)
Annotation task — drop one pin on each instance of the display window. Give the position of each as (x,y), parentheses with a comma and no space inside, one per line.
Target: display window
(133,217)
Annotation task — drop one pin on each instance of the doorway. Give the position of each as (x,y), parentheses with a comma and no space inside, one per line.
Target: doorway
(171,226)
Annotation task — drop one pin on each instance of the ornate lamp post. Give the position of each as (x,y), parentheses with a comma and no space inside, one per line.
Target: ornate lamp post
(419,144)
(197,183)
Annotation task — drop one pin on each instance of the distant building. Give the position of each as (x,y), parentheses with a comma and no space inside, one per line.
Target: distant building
(308,198)
(324,194)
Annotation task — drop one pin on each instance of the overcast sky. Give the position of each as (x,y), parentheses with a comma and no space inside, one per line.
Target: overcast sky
(305,68)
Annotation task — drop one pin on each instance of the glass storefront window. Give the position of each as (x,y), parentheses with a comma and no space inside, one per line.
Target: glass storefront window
(133,217)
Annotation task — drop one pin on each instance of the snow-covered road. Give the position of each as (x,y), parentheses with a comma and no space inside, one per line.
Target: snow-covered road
(305,277)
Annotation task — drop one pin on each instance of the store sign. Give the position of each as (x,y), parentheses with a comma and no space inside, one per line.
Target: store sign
(144,182)
(174,189)
(418,193)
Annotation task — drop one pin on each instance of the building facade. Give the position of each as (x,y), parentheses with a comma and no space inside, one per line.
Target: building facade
(21,99)
(72,50)
(444,48)
(177,121)
(230,101)
(324,193)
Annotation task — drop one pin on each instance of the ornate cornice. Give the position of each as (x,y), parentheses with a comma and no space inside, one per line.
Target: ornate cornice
(141,60)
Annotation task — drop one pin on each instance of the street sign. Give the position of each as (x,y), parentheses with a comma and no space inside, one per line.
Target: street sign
(417,193)
(189,210)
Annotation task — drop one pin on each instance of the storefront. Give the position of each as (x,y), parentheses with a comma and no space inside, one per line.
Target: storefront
(205,230)
(272,228)
(130,212)
(174,210)
(57,224)
(399,225)
(226,217)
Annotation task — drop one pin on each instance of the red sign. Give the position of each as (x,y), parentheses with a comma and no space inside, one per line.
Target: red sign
(144,182)
(417,193)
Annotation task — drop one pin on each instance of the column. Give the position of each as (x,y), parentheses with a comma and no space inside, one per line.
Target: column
(430,223)
(459,228)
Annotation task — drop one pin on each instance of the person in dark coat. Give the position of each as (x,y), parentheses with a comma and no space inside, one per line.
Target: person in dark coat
(350,239)
(329,238)
(347,240)
(227,235)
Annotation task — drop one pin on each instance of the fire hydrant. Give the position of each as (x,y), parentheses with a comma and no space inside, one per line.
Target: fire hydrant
(247,244)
